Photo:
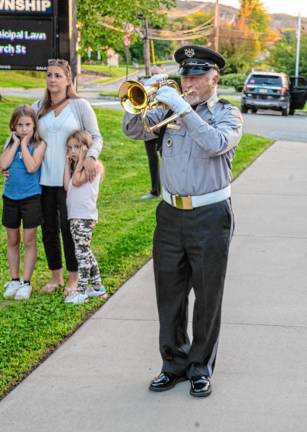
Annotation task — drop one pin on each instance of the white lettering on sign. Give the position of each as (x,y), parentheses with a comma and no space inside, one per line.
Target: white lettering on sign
(11,50)
(25,5)
(21,35)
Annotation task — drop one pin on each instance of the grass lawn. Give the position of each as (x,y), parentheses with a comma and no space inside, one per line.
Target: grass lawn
(23,79)
(115,72)
(122,243)
(33,79)
(112,93)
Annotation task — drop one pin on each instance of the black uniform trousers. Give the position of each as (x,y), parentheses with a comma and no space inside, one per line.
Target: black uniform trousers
(191,250)
(55,220)
(153,162)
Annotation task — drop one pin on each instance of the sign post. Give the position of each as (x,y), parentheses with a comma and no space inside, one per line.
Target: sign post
(129,29)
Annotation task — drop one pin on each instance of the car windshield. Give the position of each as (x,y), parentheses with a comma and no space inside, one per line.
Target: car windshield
(265,80)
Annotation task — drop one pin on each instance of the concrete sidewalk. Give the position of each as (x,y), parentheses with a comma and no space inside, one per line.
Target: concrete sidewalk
(97,380)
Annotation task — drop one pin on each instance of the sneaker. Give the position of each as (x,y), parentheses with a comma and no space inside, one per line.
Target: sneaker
(76,298)
(24,292)
(11,288)
(101,292)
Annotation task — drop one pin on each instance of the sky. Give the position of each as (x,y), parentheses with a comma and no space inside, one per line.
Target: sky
(290,7)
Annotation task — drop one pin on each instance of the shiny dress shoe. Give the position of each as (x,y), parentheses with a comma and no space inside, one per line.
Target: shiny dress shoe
(200,386)
(165,381)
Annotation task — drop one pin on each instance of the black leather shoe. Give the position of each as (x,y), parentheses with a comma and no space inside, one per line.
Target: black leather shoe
(200,386)
(165,381)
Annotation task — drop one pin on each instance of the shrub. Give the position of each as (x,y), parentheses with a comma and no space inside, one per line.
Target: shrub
(235,80)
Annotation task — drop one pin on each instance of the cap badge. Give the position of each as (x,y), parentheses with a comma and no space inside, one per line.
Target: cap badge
(189,52)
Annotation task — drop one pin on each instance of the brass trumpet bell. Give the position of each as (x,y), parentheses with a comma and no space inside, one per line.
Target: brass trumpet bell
(136,98)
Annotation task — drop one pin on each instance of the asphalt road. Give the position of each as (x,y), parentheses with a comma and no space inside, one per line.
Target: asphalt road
(274,125)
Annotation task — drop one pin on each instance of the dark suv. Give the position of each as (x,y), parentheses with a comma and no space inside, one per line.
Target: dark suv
(266,90)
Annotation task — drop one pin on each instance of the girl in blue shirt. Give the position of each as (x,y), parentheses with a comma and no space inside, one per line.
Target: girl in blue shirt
(22,158)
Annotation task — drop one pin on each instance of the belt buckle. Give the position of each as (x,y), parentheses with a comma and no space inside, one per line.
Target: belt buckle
(183,202)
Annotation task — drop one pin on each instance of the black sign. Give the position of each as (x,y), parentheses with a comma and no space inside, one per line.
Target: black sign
(26,43)
(24,7)
(32,31)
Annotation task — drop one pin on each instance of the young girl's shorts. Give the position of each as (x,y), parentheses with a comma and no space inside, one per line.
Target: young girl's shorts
(27,210)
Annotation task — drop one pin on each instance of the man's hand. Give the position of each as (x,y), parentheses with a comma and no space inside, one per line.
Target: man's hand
(90,168)
(170,97)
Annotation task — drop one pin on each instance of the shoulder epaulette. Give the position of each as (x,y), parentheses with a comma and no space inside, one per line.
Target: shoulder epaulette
(224,102)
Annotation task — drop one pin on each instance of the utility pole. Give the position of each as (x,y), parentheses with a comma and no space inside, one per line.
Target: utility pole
(73,40)
(146,49)
(298,45)
(216,25)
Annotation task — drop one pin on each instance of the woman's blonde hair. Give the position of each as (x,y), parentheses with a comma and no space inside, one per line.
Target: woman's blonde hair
(71,92)
(27,111)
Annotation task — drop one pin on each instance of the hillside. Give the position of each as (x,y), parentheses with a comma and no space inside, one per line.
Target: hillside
(229,13)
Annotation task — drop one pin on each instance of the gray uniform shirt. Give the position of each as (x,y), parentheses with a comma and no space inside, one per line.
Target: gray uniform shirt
(196,158)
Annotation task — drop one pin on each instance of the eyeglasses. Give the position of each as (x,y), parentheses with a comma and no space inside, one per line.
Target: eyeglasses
(57,61)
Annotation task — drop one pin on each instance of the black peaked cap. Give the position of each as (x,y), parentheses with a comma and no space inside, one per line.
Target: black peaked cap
(197,60)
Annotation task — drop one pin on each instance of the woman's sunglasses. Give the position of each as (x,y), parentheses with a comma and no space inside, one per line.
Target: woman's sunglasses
(57,62)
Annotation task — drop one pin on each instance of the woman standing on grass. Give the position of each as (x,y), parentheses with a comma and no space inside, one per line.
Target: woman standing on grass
(60,113)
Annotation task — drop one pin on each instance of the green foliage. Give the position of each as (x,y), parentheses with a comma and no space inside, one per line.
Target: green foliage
(163,50)
(283,54)
(122,243)
(235,80)
(116,13)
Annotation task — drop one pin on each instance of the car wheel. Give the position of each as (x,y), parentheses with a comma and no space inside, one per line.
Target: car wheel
(244,109)
(291,111)
(254,110)
(285,111)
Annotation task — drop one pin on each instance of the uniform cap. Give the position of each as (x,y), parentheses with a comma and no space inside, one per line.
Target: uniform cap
(197,60)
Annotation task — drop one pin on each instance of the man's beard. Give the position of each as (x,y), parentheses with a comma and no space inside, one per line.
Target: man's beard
(193,99)
(196,98)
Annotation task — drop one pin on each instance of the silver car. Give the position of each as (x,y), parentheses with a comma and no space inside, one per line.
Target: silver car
(266,90)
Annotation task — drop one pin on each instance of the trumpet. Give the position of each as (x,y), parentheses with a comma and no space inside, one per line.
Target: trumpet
(137,98)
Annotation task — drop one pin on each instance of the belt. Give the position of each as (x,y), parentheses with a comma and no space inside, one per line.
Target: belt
(189,202)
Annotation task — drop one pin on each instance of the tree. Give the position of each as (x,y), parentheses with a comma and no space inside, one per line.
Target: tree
(283,54)
(163,50)
(245,40)
(116,13)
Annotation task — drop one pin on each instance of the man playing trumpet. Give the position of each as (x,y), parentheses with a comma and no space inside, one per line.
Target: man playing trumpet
(194,219)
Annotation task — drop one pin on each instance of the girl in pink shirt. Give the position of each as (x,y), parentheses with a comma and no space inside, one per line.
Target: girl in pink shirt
(83,215)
